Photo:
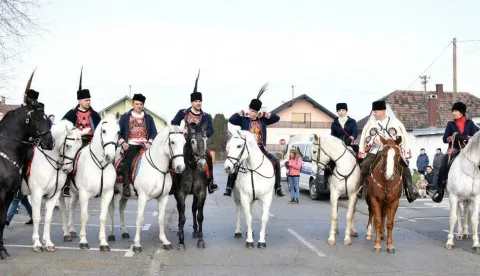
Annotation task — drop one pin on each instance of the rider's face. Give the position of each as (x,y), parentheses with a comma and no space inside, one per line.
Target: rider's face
(197,104)
(457,114)
(137,106)
(342,113)
(379,114)
(84,103)
(252,113)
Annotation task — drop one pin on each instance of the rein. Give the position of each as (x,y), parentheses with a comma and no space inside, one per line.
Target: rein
(397,168)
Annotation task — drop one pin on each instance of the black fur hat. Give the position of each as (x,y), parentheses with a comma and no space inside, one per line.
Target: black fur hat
(139,97)
(460,107)
(379,105)
(342,106)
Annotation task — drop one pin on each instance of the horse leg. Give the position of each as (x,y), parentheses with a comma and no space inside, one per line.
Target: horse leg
(349,230)
(106,198)
(200,204)
(267,201)
(453,219)
(49,206)
(162,205)
(63,211)
(36,217)
(467,224)
(142,201)
(248,218)
(476,209)
(377,217)
(122,204)
(238,230)
(83,196)
(368,235)
(71,212)
(5,200)
(384,208)
(111,212)
(353,197)
(181,220)
(459,220)
(392,210)
(333,215)
(194,216)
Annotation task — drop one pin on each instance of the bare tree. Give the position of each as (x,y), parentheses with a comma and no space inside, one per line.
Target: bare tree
(17,24)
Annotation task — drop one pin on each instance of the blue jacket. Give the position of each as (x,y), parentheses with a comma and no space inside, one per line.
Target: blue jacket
(350,128)
(469,130)
(244,123)
(206,119)
(124,124)
(422,162)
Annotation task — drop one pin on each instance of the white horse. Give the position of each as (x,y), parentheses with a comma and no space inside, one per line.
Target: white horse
(463,186)
(345,180)
(153,180)
(244,154)
(94,175)
(46,176)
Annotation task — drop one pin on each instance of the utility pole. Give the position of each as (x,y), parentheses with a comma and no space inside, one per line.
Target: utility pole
(292,92)
(130,90)
(454,70)
(424,82)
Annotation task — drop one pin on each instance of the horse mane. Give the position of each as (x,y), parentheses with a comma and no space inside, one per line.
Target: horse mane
(6,117)
(471,149)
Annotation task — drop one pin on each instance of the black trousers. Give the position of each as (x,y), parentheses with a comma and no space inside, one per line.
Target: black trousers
(444,169)
(129,154)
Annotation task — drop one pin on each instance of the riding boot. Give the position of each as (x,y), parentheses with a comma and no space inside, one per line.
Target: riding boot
(410,191)
(212,186)
(362,193)
(278,187)
(175,182)
(230,184)
(441,181)
(126,185)
(66,188)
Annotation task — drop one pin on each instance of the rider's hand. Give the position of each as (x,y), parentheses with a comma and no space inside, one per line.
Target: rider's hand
(260,114)
(185,131)
(125,146)
(379,143)
(147,145)
(241,113)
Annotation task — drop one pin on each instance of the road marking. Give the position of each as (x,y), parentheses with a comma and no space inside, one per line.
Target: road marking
(306,243)
(129,253)
(448,231)
(146,227)
(156,266)
(154,214)
(412,220)
(92,225)
(70,248)
(116,211)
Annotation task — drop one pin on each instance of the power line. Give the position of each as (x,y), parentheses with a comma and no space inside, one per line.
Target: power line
(416,79)
(472,40)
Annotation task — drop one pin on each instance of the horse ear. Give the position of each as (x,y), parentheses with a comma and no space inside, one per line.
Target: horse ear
(117,116)
(383,140)
(102,114)
(315,137)
(239,132)
(398,141)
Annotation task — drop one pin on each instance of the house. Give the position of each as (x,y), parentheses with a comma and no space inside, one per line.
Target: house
(299,116)
(4,108)
(425,116)
(125,104)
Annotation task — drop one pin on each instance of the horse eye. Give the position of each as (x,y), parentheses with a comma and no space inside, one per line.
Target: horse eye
(172,143)
(104,131)
(314,151)
(238,147)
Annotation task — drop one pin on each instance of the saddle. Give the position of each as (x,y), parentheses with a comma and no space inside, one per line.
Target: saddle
(28,163)
(133,169)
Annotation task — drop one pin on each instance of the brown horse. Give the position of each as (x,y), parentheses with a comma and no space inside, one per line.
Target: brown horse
(384,192)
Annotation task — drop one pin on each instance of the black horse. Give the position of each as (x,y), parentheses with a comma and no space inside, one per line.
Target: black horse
(193,180)
(28,121)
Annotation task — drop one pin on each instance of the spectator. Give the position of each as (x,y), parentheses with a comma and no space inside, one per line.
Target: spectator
(422,162)
(437,160)
(429,175)
(14,206)
(422,186)
(52,118)
(294,164)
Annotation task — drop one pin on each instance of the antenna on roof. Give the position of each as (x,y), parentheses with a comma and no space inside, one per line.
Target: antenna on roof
(424,82)
(293,92)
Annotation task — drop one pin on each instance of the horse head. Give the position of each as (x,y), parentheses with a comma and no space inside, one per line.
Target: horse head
(107,135)
(391,154)
(197,141)
(33,116)
(238,150)
(71,142)
(321,151)
(173,143)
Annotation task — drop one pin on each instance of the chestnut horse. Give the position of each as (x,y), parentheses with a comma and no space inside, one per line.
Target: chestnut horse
(384,192)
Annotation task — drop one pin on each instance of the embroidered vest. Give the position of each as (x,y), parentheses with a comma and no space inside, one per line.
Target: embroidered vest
(83,120)
(138,130)
(256,130)
(192,118)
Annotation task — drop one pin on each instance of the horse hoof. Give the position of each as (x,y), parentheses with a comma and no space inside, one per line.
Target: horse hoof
(181,246)
(354,234)
(37,249)
(238,235)
(195,235)
(50,248)
(466,236)
(67,238)
(200,244)
(111,238)
(167,246)
(4,255)
(449,246)
(249,245)
(104,248)
(336,232)
(84,246)
(137,249)
(368,237)
(391,250)
(378,250)
(73,234)
(331,242)
(262,245)
(125,236)
(347,242)
(476,249)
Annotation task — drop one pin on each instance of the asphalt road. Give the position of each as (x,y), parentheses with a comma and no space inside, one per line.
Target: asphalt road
(296,243)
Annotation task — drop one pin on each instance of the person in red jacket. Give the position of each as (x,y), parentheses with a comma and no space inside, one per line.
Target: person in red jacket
(294,165)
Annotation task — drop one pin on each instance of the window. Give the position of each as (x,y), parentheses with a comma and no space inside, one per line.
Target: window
(301,117)
(300,148)
(308,152)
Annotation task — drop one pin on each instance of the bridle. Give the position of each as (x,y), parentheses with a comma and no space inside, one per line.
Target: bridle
(197,154)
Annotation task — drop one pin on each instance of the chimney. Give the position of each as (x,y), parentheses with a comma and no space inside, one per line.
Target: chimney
(432,108)
(439,92)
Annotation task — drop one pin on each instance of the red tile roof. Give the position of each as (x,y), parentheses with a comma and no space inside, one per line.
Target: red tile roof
(411,108)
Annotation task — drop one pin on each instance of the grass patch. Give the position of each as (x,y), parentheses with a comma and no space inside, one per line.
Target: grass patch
(415,177)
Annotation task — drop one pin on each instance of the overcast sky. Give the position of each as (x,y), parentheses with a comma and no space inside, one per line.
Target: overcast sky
(333,51)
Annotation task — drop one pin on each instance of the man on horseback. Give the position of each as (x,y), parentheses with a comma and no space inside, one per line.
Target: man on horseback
(137,131)
(389,127)
(82,116)
(457,133)
(195,115)
(345,129)
(256,122)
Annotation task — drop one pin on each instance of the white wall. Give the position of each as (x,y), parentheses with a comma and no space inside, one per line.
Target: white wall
(275,134)
(429,143)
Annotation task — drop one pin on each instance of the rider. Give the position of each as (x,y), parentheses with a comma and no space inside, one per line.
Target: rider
(388,127)
(256,122)
(195,115)
(137,131)
(345,129)
(82,116)
(457,133)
